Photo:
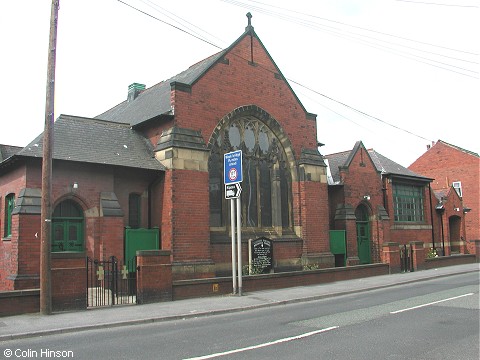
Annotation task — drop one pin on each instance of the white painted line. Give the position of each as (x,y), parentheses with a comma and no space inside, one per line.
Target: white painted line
(301,336)
(432,303)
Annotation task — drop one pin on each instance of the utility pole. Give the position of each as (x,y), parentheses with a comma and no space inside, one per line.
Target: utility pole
(46,212)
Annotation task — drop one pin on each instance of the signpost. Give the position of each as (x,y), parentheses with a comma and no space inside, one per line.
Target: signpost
(233,176)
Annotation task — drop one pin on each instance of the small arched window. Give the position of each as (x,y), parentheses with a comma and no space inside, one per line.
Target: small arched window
(9,206)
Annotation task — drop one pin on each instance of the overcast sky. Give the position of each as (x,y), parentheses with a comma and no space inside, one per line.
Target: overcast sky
(395,74)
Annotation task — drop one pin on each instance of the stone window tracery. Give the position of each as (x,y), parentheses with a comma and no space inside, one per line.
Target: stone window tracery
(266,187)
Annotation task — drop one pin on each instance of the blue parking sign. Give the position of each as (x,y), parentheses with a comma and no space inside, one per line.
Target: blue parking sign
(232,165)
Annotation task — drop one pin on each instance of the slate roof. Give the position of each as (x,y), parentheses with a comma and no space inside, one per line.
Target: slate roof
(382,164)
(97,142)
(7,151)
(155,100)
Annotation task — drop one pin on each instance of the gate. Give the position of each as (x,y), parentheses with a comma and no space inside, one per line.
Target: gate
(111,282)
(406,264)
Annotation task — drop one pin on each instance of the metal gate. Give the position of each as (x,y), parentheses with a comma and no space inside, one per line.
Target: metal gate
(111,282)
(406,263)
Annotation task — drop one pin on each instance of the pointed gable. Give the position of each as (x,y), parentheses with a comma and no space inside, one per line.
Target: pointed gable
(381,163)
(156,101)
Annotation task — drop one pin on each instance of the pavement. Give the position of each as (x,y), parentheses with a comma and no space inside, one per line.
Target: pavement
(36,324)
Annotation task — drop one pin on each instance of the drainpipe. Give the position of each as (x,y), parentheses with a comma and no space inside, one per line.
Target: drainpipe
(431,214)
(443,235)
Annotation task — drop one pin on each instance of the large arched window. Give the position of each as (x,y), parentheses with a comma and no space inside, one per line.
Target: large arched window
(68,224)
(266,186)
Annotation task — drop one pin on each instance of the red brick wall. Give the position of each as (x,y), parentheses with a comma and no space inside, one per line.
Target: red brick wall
(19,302)
(186,289)
(189,216)
(154,276)
(28,251)
(11,182)
(314,217)
(447,164)
(69,282)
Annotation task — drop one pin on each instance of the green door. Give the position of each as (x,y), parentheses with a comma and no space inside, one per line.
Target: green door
(363,235)
(67,235)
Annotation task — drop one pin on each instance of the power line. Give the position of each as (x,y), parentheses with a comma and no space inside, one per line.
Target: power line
(268,12)
(166,23)
(290,80)
(439,4)
(357,37)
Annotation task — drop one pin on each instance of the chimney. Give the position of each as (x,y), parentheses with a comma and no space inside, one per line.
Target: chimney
(134,90)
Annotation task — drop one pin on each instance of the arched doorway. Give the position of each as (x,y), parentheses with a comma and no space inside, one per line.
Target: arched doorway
(363,234)
(454,223)
(67,229)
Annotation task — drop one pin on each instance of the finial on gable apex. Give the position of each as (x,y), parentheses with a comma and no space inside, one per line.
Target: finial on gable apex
(249,26)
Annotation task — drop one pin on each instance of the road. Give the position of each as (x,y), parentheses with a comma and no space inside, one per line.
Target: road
(434,319)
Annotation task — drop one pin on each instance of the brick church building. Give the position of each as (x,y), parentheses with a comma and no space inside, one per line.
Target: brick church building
(156,161)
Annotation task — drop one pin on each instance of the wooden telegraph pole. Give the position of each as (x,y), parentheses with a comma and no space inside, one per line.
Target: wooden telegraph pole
(46,213)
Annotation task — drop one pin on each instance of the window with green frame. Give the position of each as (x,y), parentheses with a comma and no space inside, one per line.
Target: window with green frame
(408,203)
(9,205)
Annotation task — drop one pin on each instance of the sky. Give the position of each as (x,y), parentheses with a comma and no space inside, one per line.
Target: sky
(394,74)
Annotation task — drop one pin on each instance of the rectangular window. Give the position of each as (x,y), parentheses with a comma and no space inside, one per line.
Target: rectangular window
(134,211)
(408,203)
(457,185)
(9,205)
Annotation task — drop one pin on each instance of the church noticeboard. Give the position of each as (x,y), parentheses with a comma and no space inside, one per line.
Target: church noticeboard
(262,254)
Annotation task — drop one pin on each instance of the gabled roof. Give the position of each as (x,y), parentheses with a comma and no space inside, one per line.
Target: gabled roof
(458,148)
(98,142)
(382,164)
(7,151)
(155,101)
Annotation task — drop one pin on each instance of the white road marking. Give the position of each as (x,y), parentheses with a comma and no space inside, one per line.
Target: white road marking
(301,336)
(428,304)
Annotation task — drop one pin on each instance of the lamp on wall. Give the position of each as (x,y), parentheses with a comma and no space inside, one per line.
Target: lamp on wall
(366,197)
(74,186)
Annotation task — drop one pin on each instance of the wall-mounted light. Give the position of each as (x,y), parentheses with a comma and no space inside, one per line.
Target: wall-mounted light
(74,186)
(367,197)
(456,209)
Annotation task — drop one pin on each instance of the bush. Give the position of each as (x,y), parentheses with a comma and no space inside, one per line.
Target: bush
(432,253)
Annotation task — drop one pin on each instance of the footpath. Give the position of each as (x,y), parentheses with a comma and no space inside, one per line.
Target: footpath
(31,325)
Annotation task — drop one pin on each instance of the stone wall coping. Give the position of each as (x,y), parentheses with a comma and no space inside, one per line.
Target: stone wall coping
(19,293)
(153,252)
(68,255)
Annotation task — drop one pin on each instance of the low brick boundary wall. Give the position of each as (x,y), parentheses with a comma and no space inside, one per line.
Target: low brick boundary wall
(19,302)
(187,289)
(442,261)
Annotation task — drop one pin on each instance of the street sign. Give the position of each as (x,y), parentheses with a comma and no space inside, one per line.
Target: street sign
(232,165)
(232,191)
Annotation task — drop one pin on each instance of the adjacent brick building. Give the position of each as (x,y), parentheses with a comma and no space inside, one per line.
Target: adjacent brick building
(377,202)
(456,174)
